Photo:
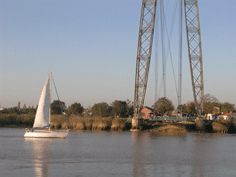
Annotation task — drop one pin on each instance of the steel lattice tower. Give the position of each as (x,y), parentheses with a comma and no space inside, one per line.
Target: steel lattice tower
(194,51)
(145,40)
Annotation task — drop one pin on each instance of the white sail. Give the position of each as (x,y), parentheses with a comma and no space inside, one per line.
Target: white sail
(42,117)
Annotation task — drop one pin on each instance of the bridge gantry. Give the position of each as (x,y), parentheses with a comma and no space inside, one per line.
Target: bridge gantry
(145,40)
(194,51)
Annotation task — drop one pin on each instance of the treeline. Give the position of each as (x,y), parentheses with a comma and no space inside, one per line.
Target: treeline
(211,105)
(100,116)
(23,120)
(122,109)
(164,106)
(17,110)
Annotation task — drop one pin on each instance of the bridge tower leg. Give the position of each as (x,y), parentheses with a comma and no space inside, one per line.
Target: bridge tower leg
(194,51)
(145,40)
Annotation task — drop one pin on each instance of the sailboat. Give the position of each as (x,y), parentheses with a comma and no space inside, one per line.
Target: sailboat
(41,126)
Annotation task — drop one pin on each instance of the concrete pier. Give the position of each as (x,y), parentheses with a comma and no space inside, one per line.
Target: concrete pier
(136,123)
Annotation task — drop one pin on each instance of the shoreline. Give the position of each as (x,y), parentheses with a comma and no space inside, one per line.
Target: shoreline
(159,127)
(78,123)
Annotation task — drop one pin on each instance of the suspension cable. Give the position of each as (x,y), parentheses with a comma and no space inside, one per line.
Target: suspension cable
(168,40)
(180,53)
(163,47)
(169,48)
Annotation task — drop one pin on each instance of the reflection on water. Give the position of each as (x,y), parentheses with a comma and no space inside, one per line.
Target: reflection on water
(151,151)
(41,150)
(183,155)
(139,147)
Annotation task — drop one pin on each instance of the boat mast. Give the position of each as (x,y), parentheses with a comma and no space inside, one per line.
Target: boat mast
(50,99)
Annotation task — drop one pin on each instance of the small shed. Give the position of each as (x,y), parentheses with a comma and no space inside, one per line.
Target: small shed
(147,112)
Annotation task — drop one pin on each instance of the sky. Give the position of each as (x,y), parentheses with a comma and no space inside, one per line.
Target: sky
(91,46)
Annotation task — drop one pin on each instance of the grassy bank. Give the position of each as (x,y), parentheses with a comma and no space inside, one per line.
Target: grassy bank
(173,127)
(81,123)
(73,122)
(23,120)
(200,126)
(120,124)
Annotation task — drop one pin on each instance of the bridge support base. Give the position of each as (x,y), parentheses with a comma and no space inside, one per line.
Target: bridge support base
(137,124)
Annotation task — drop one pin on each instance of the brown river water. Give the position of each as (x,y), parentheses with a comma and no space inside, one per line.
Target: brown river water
(109,154)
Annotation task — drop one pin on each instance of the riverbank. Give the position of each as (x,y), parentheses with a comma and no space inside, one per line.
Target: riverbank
(200,126)
(86,123)
(75,122)
(15,120)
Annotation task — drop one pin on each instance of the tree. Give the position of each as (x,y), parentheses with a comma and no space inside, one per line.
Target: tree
(75,108)
(24,110)
(211,104)
(55,107)
(101,109)
(191,108)
(227,107)
(188,108)
(31,111)
(163,105)
(18,106)
(119,108)
(182,108)
(13,110)
(130,107)
(208,98)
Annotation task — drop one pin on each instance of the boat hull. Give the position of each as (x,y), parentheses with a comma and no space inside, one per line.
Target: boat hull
(46,134)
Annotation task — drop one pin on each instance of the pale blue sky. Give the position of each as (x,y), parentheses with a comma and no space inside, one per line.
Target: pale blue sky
(90,47)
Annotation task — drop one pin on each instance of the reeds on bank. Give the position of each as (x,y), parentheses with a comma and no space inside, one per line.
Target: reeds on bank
(75,122)
(23,120)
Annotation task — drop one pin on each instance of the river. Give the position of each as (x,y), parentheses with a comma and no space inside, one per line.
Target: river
(109,154)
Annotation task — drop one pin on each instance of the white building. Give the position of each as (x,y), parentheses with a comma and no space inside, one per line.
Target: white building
(211,116)
(227,116)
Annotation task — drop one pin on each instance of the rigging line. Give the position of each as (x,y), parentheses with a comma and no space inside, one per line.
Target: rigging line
(163,47)
(173,20)
(167,6)
(156,50)
(172,26)
(166,53)
(149,96)
(59,102)
(173,68)
(160,89)
(168,41)
(180,52)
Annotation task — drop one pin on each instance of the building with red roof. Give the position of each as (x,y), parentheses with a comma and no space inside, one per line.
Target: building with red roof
(147,112)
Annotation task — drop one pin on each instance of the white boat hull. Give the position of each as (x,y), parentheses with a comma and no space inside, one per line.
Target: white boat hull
(46,134)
